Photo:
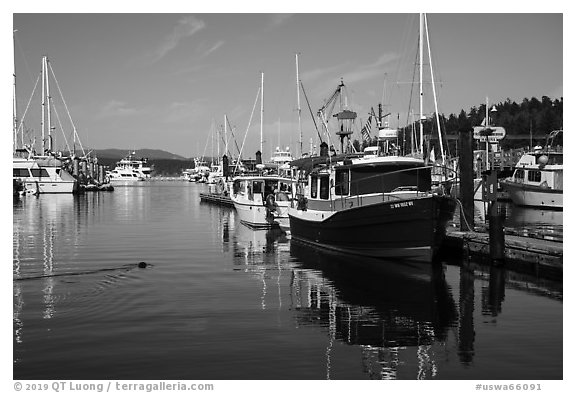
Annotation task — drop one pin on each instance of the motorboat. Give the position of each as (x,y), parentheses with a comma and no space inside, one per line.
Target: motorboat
(262,201)
(537,180)
(43,175)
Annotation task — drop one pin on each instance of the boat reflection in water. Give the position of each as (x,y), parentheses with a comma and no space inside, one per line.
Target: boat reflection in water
(383,308)
(545,223)
(262,253)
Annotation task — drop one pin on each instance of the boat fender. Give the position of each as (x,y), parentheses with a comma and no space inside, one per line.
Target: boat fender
(271,203)
(542,160)
(302,203)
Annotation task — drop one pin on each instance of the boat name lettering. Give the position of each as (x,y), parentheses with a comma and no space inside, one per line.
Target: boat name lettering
(401,204)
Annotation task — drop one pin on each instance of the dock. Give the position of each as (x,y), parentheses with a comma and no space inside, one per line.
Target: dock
(535,255)
(219,199)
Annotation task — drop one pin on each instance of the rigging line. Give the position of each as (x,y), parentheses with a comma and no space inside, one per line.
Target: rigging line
(207,140)
(248,127)
(27,106)
(30,73)
(67,111)
(406,38)
(61,128)
(434,92)
(233,136)
(412,91)
(311,113)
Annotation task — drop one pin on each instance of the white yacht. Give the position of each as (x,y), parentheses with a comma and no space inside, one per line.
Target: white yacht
(42,175)
(537,180)
(131,169)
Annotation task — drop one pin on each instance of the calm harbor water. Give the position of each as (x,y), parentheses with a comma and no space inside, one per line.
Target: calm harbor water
(221,301)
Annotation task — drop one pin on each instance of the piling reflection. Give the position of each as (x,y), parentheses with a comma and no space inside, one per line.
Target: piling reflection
(384,308)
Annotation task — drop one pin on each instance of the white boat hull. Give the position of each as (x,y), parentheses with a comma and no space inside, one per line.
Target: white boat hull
(51,187)
(523,195)
(257,216)
(126,180)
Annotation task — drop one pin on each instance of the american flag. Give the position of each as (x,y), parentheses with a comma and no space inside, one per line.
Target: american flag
(366,130)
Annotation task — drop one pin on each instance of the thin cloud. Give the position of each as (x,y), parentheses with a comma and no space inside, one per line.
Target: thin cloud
(372,70)
(116,108)
(213,48)
(279,19)
(184,112)
(186,27)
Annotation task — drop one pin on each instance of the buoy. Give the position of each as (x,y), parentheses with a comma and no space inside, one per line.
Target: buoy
(142,265)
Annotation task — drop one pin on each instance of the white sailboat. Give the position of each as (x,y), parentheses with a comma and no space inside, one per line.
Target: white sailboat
(262,201)
(45,173)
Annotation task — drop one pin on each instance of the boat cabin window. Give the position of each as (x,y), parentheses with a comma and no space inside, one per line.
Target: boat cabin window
(20,172)
(342,186)
(519,174)
(257,187)
(535,176)
(320,183)
(39,172)
(324,187)
(314,187)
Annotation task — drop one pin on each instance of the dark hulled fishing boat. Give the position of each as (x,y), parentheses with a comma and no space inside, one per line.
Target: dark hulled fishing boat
(379,206)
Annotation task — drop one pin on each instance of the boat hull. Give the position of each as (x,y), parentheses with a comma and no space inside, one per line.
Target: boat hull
(257,216)
(52,187)
(526,195)
(411,229)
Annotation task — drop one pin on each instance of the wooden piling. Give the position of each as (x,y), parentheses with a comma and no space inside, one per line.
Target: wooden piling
(466,157)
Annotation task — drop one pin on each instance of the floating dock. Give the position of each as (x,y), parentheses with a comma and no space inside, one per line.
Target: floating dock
(219,199)
(539,256)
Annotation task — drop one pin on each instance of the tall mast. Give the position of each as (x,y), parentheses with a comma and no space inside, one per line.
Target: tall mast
(434,93)
(48,99)
(225,135)
(298,100)
(14,109)
(262,117)
(43,125)
(421,48)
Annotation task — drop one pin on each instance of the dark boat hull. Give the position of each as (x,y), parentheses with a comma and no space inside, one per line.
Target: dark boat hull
(411,229)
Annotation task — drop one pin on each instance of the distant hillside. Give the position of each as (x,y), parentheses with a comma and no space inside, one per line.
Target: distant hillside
(151,154)
(164,163)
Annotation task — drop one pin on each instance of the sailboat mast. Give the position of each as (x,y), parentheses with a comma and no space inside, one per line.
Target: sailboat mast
(43,125)
(14,108)
(48,98)
(421,48)
(434,93)
(298,100)
(225,135)
(262,116)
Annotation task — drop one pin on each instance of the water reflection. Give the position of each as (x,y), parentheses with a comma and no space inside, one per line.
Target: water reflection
(37,249)
(531,221)
(261,253)
(522,220)
(383,308)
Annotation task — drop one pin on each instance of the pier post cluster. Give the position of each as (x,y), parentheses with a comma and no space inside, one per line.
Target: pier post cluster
(497,240)
(88,171)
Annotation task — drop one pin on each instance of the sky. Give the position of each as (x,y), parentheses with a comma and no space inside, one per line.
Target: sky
(168,80)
